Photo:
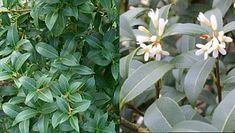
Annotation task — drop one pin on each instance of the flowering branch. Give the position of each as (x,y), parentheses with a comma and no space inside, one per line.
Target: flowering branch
(219,88)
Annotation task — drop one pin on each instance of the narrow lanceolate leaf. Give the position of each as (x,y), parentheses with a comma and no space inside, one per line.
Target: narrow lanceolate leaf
(57,118)
(10,109)
(12,35)
(62,104)
(185,29)
(83,70)
(193,126)
(224,115)
(74,123)
(196,78)
(24,126)
(46,50)
(45,95)
(162,115)
(28,83)
(144,77)
(43,123)
(21,60)
(81,106)
(51,20)
(5,76)
(229,27)
(24,115)
(230,78)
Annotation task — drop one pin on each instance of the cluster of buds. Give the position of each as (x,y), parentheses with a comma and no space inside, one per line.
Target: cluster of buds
(216,41)
(154,48)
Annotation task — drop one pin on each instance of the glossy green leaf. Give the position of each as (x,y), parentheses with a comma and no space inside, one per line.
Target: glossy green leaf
(24,126)
(73,120)
(51,19)
(62,104)
(196,78)
(144,77)
(12,35)
(163,111)
(83,70)
(43,124)
(46,50)
(229,27)
(75,86)
(21,60)
(28,83)
(5,76)
(193,126)
(24,115)
(81,106)
(45,95)
(224,115)
(10,109)
(58,118)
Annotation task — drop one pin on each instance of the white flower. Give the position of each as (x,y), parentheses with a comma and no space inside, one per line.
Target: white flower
(201,17)
(204,49)
(158,52)
(146,49)
(161,27)
(223,38)
(234,4)
(213,22)
(154,16)
(217,48)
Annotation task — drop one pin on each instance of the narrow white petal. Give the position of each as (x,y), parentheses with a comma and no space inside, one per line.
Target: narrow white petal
(158,57)
(200,45)
(146,56)
(213,22)
(142,45)
(215,53)
(234,4)
(205,55)
(222,51)
(199,52)
(143,29)
(161,27)
(165,52)
(142,39)
(228,39)
(153,38)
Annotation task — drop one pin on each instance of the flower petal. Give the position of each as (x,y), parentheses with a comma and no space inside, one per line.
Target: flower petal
(158,57)
(213,22)
(200,45)
(215,53)
(199,52)
(228,39)
(146,56)
(205,55)
(222,51)
(165,52)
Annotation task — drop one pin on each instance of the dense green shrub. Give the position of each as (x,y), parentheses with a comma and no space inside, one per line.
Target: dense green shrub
(59,66)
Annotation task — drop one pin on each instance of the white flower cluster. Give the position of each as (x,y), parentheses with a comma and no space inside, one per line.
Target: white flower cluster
(216,41)
(154,48)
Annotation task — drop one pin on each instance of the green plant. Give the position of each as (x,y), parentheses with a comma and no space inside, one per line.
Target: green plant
(59,66)
(177,71)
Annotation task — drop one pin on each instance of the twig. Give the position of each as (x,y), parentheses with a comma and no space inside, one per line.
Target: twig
(135,109)
(158,89)
(14,11)
(132,126)
(217,74)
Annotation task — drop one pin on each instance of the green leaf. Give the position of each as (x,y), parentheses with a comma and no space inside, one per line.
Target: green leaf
(73,120)
(230,78)
(24,126)
(165,112)
(48,108)
(43,123)
(24,115)
(229,27)
(76,97)
(5,76)
(115,70)
(30,95)
(193,126)
(28,83)
(144,77)
(51,19)
(81,106)
(46,50)
(106,4)
(12,35)
(172,93)
(222,5)
(62,104)
(45,95)
(64,83)
(185,29)
(83,70)
(69,60)
(75,86)
(196,78)
(224,115)
(21,60)
(11,109)
(58,118)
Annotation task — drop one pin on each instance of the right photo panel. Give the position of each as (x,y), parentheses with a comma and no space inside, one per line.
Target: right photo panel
(177,66)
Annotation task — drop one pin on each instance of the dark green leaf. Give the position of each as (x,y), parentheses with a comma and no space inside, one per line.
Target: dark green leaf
(46,50)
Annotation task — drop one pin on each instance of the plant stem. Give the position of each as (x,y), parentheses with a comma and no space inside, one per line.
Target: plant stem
(135,109)
(217,74)
(132,126)
(158,88)
(14,11)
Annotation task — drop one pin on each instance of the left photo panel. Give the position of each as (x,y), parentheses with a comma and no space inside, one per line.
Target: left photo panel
(59,66)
